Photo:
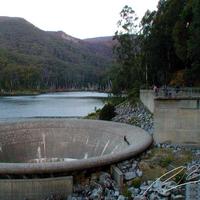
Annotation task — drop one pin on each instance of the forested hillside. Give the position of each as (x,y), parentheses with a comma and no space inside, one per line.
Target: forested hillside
(163,50)
(31,58)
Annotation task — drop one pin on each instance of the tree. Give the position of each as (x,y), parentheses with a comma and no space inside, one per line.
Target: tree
(126,51)
(146,53)
(165,50)
(194,43)
(159,55)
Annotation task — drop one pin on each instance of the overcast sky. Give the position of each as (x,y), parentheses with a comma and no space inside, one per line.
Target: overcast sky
(79,18)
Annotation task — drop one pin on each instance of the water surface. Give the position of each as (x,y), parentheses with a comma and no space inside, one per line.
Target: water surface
(61,104)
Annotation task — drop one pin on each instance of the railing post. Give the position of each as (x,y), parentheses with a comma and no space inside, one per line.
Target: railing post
(198,104)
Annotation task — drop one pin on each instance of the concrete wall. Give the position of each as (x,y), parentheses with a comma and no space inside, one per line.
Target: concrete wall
(117,175)
(177,121)
(147,98)
(35,189)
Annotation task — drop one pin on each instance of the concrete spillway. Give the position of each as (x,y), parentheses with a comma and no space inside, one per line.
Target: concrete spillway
(64,145)
(38,157)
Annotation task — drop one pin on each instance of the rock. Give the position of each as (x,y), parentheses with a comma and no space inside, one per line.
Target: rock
(154,196)
(116,194)
(143,188)
(130,175)
(177,197)
(104,177)
(78,188)
(157,185)
(71,198)
(140,197)
(137,115)
(139,173)
(131,189)
(109,198)
(136,191)
(121,197)
(134,165)
(96,194)
(94,177)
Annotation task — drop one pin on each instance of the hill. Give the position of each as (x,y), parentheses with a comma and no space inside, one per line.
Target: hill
(33,58)
(106,41)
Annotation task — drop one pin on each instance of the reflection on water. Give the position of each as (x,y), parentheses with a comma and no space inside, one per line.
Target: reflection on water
(63,104)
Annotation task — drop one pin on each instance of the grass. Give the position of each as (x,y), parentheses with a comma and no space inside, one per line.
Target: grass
(151,171)
(94,115)
(126,192)
(115,100)
(136,182)
(161,160)
(166,161)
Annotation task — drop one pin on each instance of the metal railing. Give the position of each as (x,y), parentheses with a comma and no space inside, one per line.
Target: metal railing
(177,92)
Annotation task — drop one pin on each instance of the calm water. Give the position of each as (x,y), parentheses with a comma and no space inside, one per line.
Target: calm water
(63,104)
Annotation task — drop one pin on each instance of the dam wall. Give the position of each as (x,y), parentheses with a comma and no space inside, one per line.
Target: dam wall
(176,116)
(177,120)
(147,98)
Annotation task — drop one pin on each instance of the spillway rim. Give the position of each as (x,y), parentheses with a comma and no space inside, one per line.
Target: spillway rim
(69,166)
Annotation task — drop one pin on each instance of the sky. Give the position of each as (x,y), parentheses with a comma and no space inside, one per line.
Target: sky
(78,18)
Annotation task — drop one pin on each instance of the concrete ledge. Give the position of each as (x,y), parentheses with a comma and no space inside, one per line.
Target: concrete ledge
(35,189)
(117,175)
(176,98)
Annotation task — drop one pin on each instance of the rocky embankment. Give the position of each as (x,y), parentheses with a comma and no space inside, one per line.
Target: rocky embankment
(137,115)
(142,174)
(141,177)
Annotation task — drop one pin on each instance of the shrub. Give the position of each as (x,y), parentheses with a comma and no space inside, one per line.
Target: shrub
(94,115)
(136,182)
(133,95)
(107,112)
(127,193)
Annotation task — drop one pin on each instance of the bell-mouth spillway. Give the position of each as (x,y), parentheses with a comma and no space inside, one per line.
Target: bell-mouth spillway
(66,145)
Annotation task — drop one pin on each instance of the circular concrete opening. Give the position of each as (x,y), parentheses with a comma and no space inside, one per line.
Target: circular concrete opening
(63,145)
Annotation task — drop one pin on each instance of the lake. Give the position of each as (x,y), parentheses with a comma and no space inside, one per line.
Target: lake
(60,104)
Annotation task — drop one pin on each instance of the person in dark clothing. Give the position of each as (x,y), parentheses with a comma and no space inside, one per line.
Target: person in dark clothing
(177,89)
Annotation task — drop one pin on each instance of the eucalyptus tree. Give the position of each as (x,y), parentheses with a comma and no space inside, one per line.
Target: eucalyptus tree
(127,51)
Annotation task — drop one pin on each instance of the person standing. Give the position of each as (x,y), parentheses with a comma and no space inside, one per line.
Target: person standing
(155,89)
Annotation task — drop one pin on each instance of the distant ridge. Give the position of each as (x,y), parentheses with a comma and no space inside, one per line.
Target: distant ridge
(55,59)
(106,40)
(65,36)
(99,39)
(7,18)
